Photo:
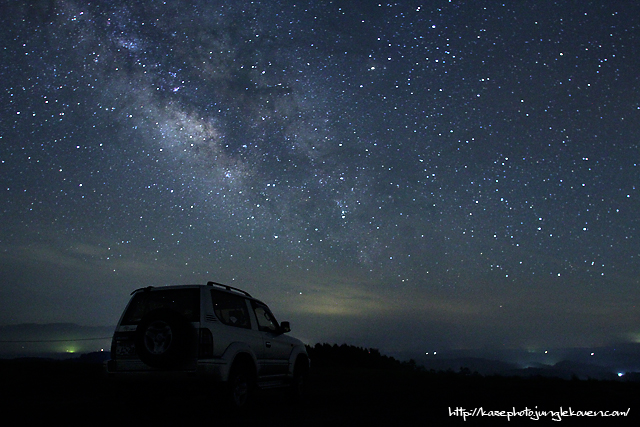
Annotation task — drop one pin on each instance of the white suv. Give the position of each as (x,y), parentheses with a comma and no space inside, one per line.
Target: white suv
(211,331)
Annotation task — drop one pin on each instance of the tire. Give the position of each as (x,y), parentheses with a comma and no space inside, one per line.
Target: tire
(164,339)
(298,386)
(240,386)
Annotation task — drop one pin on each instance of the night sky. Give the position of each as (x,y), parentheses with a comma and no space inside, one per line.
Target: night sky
(405,176)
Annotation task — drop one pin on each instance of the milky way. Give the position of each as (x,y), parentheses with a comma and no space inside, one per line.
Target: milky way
(399,175)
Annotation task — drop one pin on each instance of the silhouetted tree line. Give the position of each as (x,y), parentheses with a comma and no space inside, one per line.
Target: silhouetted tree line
(327,355)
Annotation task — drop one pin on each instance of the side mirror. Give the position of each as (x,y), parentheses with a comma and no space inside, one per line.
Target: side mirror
(285,327)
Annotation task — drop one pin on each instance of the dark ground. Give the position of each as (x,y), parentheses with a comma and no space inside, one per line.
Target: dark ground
(75,393)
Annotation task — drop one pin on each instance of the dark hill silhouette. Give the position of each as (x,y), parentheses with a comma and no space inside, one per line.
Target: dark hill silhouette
(567,370)
(52,339)
(326,355)
(347,385)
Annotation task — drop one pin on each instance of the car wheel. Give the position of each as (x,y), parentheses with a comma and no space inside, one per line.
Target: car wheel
(163,339)
(240,385)
(298,387)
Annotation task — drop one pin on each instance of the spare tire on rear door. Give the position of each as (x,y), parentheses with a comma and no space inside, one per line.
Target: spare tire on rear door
(164,339)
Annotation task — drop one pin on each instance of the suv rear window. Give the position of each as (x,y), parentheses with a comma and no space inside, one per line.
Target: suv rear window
(183,301)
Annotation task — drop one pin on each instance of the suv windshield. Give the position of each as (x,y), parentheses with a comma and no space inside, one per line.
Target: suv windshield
(183,301)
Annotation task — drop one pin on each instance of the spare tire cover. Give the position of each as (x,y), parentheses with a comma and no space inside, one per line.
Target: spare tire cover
(164,339)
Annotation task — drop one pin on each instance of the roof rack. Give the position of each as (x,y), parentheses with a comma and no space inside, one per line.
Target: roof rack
(229,288)
(148,288)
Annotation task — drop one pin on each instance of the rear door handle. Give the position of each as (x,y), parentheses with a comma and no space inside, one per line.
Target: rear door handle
(268,344)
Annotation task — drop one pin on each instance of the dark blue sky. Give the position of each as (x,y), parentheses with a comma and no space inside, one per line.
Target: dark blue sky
(394,175)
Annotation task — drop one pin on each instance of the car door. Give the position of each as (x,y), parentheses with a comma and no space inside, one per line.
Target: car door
(277,348)
(233,312)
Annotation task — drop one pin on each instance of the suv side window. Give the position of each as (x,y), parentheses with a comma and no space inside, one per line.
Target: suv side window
(266,321)
(230,309)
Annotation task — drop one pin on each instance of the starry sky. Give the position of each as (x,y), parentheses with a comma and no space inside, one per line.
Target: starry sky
(405,176)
